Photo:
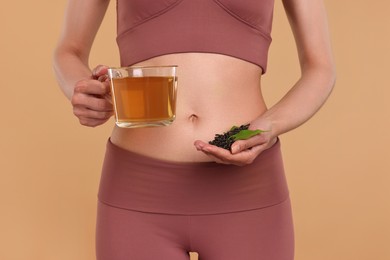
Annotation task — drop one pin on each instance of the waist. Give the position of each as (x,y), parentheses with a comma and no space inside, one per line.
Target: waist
(132,181)
(214,93)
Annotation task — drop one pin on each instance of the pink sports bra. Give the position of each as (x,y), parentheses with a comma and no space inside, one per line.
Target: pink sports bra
(150,28)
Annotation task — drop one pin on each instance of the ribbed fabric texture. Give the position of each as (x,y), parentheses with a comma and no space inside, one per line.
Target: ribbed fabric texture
(150,28)
(137,182)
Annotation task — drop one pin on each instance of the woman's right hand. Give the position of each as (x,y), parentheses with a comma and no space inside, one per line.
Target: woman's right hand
(91,99)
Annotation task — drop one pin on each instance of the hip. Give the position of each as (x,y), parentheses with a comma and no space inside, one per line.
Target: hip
(133,181)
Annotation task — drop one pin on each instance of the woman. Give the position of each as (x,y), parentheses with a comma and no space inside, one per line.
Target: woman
(166,191)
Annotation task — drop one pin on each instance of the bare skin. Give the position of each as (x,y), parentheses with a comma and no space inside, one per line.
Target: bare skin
(215,91)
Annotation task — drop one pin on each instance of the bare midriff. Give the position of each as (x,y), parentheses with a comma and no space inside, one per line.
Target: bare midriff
(215,92)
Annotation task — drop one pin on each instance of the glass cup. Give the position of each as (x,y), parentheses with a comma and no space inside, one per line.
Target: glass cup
(144,96)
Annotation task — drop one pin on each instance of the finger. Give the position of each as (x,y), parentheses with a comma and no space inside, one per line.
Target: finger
(99,70)
(103,78)
(241,145)
(92,87)
(199,144)
(91,122)
(243,158)
(220,153)
(224,156)
(91,102)
(212,150)
(82,112)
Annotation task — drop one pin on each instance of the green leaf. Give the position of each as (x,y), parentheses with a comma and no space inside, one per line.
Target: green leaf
(246,134)
(233,127)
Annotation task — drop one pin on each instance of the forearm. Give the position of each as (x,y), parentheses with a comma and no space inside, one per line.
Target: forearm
(87,91)
(69,68)
(309,25)
(70,59)
(303,100)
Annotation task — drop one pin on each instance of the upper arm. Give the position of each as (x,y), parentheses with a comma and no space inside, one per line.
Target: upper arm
(81,23)
(309,24)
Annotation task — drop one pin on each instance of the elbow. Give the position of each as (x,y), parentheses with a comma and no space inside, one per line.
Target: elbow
(328,78)
(58,55)
(332,76)
(55,58)
(66,51)
(325,71)
(330,68)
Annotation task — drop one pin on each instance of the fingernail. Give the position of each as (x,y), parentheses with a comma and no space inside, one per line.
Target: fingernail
(235,148)
(198,146)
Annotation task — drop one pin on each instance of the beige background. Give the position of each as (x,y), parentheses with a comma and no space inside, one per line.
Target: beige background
(338,164)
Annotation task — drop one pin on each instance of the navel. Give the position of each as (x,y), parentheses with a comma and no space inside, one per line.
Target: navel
(193,118)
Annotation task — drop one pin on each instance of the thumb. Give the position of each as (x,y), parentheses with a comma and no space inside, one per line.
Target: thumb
(99,71)
(237,147)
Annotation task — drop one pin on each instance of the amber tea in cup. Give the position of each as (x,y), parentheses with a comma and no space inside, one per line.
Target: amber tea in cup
(144,96)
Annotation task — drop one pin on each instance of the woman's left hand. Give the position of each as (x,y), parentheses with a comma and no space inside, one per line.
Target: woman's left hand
(243,152)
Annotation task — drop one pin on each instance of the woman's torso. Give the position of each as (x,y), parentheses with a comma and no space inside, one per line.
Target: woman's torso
(214,92)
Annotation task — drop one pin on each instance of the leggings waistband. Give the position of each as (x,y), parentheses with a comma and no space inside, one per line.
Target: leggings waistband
(136,182)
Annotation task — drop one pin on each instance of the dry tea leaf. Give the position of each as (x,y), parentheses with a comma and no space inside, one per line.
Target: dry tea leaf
(235,133)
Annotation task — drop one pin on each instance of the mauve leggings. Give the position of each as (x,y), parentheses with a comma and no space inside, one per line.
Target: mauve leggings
(152,209)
